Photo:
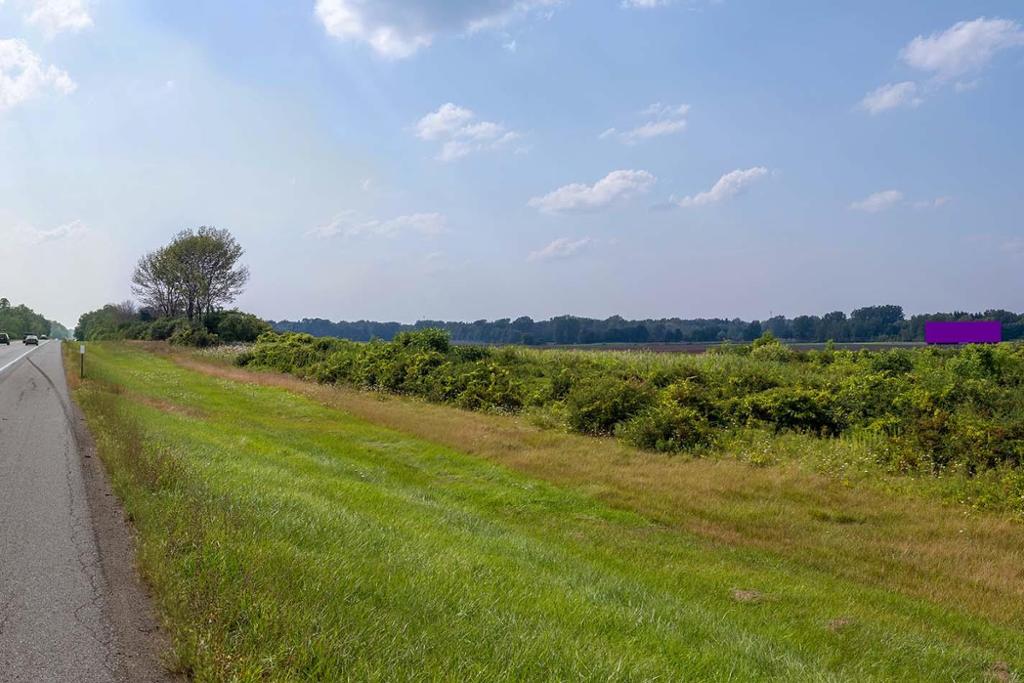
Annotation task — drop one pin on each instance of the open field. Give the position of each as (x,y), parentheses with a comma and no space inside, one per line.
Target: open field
(294,531)
(704,347)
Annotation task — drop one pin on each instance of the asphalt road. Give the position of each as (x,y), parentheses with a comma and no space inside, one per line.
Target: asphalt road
(59,607)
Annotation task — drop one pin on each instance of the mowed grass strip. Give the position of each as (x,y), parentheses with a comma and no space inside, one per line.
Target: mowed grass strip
(288,540)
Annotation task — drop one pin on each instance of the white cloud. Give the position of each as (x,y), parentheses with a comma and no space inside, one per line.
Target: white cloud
(879,201)
(56,16)
(32,235)
(396,29)
(461,133)
(964,47)
(614,187)
(644,4)
(347,224)
(561,248)
(890,96)
(24,77)
(662,120)
(729,185)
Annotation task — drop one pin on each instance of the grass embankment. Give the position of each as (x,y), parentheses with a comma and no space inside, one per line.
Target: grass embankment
(288,539)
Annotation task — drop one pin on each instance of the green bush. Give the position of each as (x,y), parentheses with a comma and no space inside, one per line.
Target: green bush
(893,363)
(237,327)
(935,409)
(194,336)
(794,408)
(164,328)
(668,428)
(489,386)
(597,404)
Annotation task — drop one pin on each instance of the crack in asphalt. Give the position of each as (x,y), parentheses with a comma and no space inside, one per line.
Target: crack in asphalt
(72,606)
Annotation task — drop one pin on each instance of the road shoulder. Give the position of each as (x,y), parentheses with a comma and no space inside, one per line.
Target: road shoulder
(144,646)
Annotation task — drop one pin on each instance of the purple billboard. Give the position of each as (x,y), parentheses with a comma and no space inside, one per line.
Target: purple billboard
(964,332)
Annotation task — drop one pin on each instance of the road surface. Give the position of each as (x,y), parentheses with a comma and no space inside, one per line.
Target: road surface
(62,597)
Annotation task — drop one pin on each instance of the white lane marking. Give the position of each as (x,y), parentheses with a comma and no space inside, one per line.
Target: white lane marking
(22,356)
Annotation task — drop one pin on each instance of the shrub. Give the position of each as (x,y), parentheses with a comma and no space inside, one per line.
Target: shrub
(598,404)
(194,336)
(934,408)
(238,327)
(426,340)
(768,348)
(164,328)
(668,428)
(489,386)
(893,363)
(705,400)
(794,408)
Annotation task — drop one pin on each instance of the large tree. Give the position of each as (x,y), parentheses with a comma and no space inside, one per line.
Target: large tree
(196,274)
(155,283)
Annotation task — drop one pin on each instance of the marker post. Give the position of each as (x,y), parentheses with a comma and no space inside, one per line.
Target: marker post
(81,356)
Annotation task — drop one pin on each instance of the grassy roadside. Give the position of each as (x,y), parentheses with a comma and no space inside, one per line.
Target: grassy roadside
(290,540)
(846,520)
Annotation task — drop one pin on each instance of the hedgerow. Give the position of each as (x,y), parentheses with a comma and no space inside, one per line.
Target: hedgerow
(937,408)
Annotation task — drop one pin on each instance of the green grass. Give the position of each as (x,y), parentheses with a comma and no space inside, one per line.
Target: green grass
(287,540)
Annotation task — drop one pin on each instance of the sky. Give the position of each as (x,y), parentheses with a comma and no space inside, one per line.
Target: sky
(466,159)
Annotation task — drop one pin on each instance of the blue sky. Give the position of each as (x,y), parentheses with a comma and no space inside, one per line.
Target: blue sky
(403,159)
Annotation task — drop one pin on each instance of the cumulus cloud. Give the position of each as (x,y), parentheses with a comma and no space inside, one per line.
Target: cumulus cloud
(57,16)
(729,185)
(965,47)
(24,77)
(879,201)
(615,187)
(561,248)
(397,29)
(348,224)
(891,96)
(461,132)
(661,120)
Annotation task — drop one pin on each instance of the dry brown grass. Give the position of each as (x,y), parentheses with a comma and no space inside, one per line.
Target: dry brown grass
(968,561)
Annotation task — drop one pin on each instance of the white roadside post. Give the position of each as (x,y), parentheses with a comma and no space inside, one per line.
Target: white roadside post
(81,355)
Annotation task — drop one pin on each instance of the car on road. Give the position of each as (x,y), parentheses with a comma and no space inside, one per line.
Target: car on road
(31,339)
(5,339)
(43,337)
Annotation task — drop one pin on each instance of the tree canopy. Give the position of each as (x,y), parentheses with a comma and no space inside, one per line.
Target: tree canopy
(196,274)
(183,289)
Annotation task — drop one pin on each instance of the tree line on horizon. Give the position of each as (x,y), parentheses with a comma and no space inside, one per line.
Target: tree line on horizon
(18,321)
(868,324)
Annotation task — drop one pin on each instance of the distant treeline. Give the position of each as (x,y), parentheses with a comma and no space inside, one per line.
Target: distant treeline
(872,323)
(17,321)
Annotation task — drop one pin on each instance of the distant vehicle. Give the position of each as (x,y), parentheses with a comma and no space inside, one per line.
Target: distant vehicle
(4,339)
(32,339)
(43,337)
